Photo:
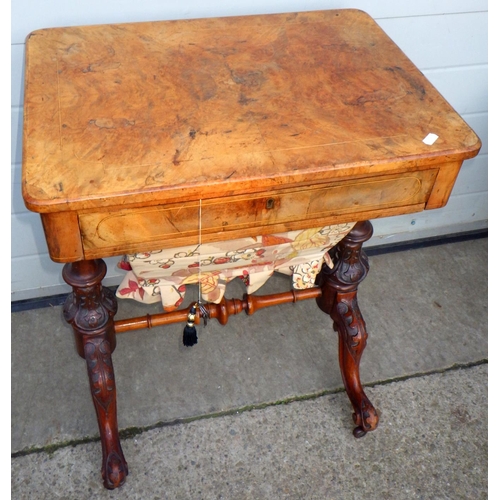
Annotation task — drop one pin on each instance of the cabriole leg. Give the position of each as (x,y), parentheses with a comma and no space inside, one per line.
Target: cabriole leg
(90,310)
(339,299)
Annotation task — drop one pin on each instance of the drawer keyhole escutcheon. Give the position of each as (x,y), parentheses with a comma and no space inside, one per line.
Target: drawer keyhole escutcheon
(270,203)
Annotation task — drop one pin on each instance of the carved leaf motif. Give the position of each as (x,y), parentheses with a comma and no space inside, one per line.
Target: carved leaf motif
(100,368)
(351,325)
(88,309)
(351,265)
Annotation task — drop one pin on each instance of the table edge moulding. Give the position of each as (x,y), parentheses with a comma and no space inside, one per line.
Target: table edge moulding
(154,135)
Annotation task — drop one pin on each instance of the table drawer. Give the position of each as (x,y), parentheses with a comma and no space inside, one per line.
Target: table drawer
(179,224)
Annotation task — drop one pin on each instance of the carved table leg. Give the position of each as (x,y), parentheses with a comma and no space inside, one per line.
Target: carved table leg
(339,299)
(90,310)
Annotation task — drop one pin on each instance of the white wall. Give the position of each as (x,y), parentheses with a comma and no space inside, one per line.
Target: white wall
(446,39)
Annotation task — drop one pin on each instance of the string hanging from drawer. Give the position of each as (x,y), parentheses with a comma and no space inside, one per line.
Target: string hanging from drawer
(190,336)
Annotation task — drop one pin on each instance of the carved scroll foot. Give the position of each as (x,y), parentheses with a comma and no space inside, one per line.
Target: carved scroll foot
(352,341)
(90,310)
(97,351)
(339,299)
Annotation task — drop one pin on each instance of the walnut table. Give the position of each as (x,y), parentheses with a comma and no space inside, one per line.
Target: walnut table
(268,123)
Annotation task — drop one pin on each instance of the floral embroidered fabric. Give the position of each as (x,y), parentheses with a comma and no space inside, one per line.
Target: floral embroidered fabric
(162,275)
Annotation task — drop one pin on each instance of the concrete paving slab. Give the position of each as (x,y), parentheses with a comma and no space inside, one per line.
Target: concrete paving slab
(425,310)
(431,444)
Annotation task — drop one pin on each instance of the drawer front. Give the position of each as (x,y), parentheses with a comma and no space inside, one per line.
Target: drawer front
(171,225)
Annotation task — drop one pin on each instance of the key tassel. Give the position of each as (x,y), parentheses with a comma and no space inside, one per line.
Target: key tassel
(190,338)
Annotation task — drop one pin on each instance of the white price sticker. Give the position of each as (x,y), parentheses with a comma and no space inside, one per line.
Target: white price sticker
(430,139)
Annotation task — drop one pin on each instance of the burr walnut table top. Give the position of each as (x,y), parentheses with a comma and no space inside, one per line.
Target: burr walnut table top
(260,117)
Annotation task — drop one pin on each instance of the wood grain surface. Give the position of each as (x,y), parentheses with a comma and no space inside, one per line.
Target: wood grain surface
(182,110)
(271,123)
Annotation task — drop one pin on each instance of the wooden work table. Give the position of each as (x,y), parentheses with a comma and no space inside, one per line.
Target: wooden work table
(268,123)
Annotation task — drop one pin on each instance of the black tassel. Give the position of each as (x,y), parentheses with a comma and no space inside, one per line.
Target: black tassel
(190,338)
